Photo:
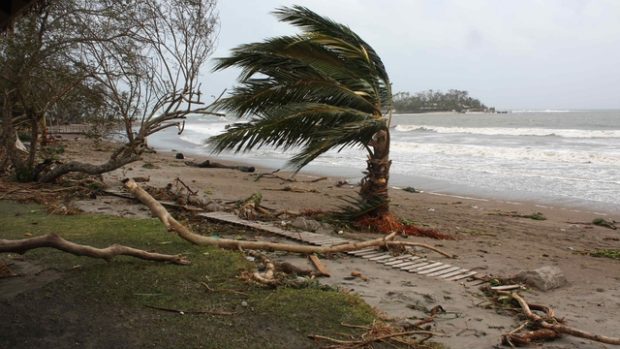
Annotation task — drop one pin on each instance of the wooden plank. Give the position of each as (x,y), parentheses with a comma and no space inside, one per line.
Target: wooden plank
(367,256)
(456,272)
(322,241)
(445,271)
(335,242)
(355,253)
(431,270)
(377,259)
(462,276)
(432,265)
(397,258)
(374,251)
(417,265)
(406,264)
(402,260)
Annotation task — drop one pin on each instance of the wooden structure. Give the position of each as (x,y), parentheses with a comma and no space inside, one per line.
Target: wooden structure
(407,262)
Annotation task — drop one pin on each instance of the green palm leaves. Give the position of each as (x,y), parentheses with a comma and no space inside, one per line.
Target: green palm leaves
(323,89)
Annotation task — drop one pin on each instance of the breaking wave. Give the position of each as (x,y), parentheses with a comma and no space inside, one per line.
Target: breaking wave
(500,131)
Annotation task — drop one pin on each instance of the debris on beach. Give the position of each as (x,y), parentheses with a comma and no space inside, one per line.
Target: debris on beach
(213,164)
(389,223)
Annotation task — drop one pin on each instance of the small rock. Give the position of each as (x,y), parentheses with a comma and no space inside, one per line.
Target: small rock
(244,304)
(544,278)
(180,156)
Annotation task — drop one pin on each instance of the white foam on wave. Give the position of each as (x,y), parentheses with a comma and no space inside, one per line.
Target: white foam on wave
(207,129)
(505,131)
(524,153)
(541,111)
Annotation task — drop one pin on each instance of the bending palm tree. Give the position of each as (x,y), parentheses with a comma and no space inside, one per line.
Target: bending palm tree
(322,89)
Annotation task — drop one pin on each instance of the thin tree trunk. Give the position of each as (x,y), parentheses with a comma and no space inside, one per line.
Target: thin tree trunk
(374,188)
(34,135)
(9,135)
(44,134)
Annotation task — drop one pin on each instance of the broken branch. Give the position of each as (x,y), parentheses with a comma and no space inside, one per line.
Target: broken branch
(320,267)
(55,241)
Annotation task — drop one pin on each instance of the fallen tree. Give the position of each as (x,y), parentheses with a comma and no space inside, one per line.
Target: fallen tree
(158,210)
(57,242)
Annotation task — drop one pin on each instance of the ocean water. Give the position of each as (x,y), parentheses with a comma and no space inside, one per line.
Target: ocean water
(566,158)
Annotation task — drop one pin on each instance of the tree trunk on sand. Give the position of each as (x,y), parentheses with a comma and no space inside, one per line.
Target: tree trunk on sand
(374,186)
(75,166)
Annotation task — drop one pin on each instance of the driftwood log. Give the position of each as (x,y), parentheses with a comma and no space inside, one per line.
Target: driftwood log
(55,241)
(548,327)
(185,233)
(212,164)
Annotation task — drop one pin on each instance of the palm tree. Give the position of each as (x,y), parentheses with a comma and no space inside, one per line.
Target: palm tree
(322,89)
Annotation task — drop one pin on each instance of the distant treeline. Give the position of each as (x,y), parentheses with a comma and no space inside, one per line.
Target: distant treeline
(435,101)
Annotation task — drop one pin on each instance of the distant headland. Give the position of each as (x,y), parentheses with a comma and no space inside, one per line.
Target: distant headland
(437,101)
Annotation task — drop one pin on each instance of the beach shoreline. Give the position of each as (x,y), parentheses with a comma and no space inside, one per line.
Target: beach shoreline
(397,181)
(495,238)
(539,158)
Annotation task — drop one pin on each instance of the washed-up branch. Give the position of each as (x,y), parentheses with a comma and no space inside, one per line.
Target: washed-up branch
(57,242)
(548,327)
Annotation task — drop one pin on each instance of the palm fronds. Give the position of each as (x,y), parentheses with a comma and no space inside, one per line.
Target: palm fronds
(322,89)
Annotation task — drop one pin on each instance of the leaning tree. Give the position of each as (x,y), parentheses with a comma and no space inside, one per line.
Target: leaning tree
(322,89)
(136,62)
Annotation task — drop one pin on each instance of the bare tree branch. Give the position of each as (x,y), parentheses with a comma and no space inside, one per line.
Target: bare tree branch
(55,241)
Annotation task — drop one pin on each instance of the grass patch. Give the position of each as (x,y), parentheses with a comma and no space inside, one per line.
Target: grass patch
(94,298)
(612,253)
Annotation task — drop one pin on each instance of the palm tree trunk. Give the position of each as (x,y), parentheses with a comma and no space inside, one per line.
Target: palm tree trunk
(374,188)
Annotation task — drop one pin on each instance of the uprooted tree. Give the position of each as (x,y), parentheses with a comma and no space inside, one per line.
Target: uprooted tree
(135,64)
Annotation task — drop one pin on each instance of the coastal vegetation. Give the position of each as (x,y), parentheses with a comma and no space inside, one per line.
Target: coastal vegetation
(134,65)
(437,101)
(323,89)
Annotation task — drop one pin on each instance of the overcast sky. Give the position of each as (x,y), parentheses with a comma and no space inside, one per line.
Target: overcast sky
(519,54)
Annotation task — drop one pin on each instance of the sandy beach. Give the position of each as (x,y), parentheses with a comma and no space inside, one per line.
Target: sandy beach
(488,238)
